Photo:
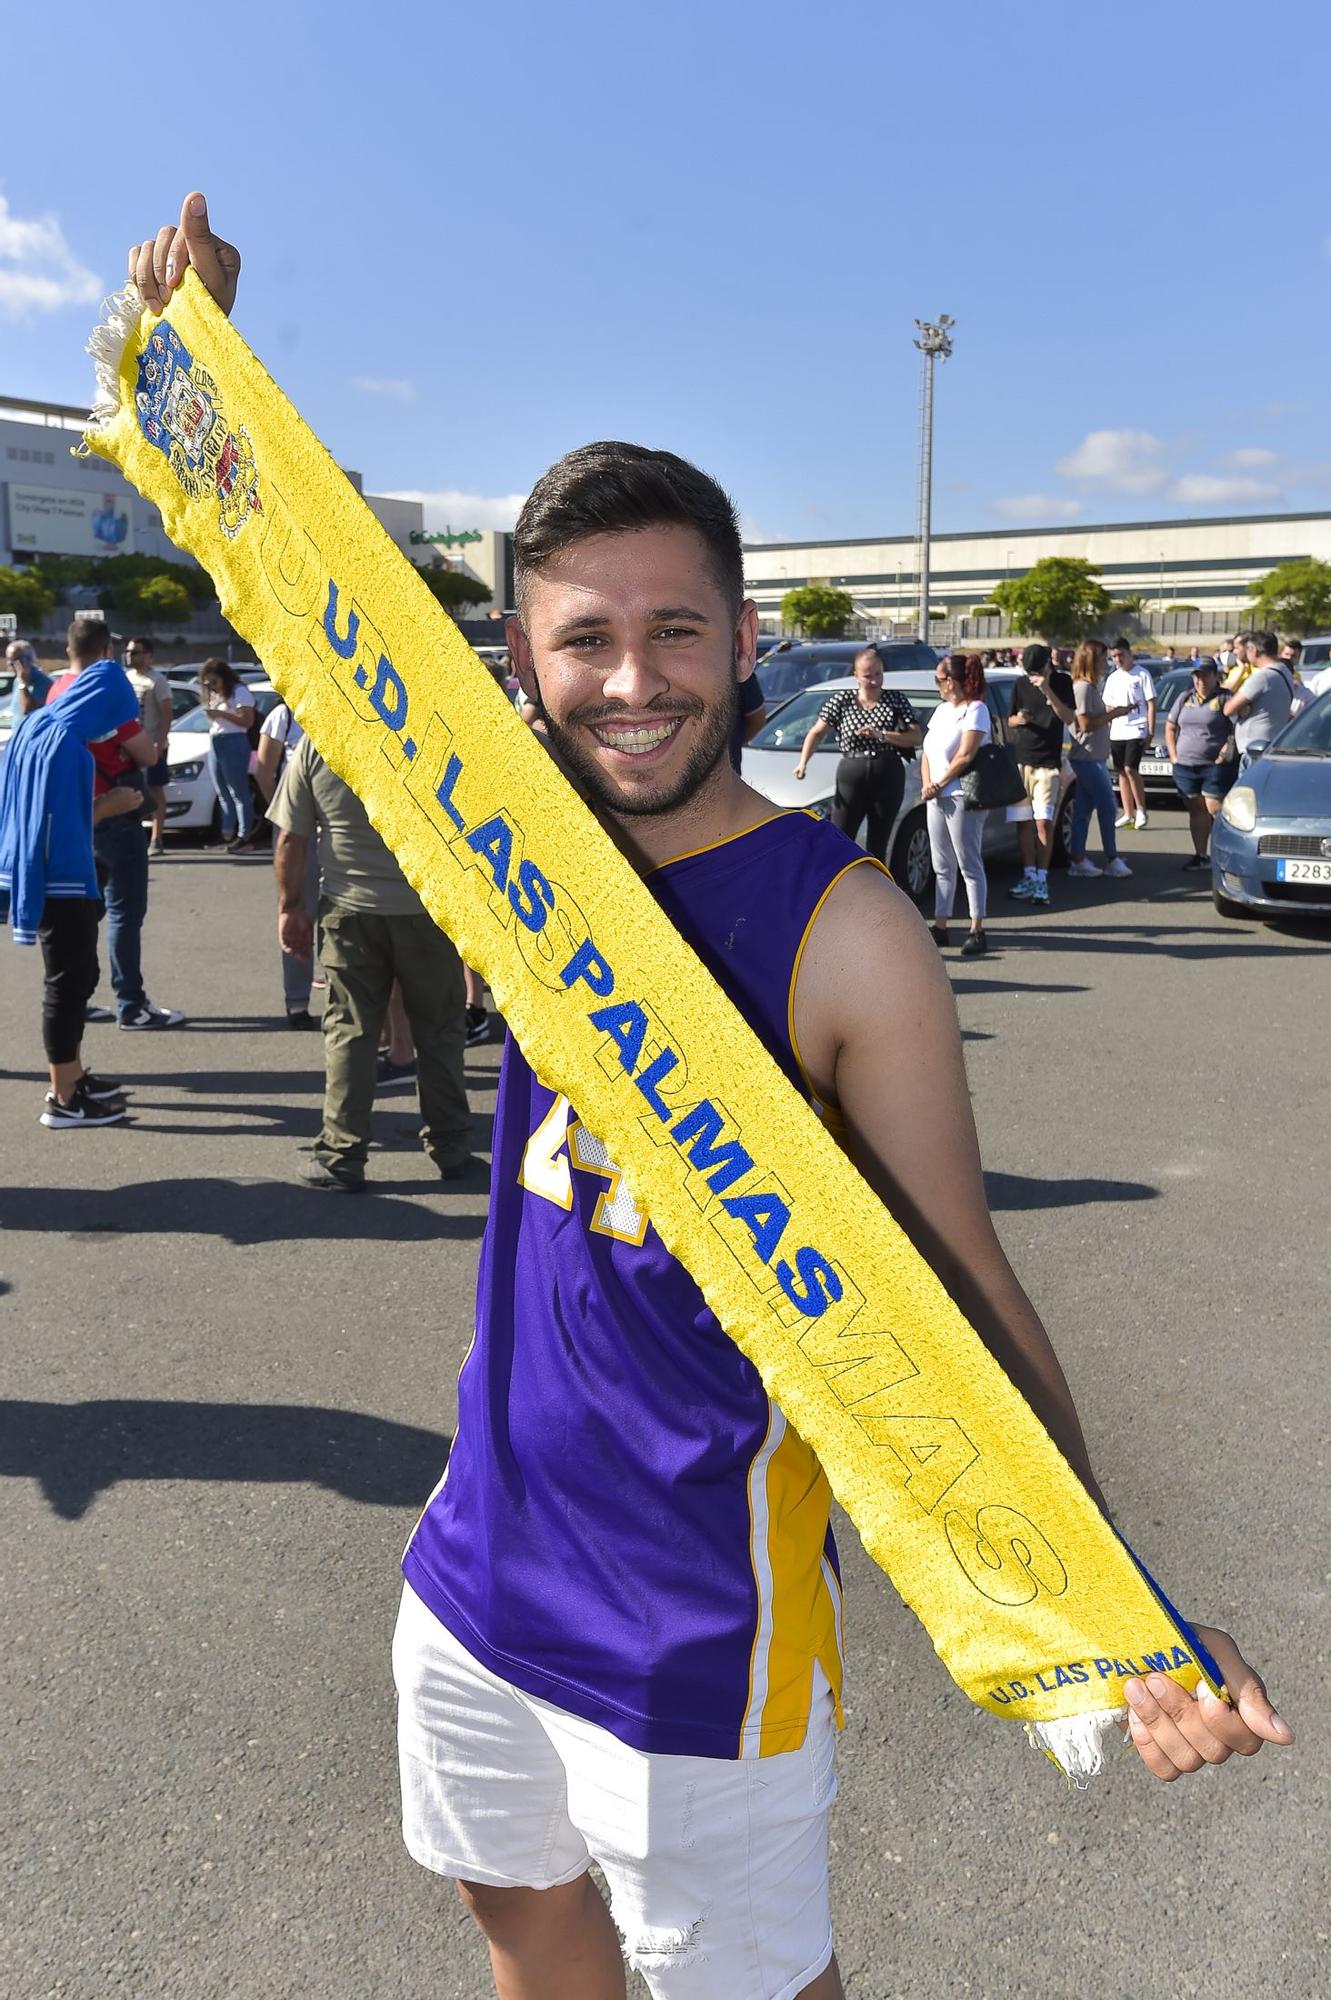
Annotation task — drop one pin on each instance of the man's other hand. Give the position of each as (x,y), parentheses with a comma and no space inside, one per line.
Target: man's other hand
(1175,1732)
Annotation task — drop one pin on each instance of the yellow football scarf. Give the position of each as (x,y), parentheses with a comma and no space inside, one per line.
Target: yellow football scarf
(1037,1609)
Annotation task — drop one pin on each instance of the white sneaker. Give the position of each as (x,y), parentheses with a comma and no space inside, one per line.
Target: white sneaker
(1124,819)
(1142,822)
(1118,867)
(1085,869)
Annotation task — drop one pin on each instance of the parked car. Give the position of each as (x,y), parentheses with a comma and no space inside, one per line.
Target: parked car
(1271,848)
(187,674)
(785,673)
(770,757)
(191,796)
(1156,770)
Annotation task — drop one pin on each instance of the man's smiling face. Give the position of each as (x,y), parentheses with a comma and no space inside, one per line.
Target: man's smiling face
(633,653)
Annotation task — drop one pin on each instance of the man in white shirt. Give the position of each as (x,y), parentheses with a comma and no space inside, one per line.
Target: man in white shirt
(1129,687)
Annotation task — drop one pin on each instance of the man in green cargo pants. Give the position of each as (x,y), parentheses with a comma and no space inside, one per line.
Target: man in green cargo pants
(372,931)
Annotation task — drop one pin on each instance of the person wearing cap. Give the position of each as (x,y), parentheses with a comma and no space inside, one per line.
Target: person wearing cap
(1036,734)
(1199,738)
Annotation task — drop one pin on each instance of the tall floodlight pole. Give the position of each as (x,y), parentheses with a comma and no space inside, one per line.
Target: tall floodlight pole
(935,344)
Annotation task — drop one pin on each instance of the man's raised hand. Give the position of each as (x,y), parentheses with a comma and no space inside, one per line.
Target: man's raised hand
(158,264)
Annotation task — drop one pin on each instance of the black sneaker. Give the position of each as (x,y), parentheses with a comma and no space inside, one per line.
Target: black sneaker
(975,946)
(99,1088)
(478,1026)
(1196,862)
(302,1018)
(91,1013)
(149,1016)
(80,1109)
(316,1175)
(394,1076)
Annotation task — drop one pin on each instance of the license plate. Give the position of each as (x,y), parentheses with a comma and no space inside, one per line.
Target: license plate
(1156,767)
(1303,871)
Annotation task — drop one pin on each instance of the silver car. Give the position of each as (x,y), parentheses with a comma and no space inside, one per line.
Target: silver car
(1271,849)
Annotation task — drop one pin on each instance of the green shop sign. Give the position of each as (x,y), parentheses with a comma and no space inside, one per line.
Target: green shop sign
(449,539)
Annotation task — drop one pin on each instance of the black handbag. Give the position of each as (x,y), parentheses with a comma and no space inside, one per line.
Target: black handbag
(992,779)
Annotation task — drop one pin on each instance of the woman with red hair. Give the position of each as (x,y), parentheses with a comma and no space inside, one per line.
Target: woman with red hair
(957,728)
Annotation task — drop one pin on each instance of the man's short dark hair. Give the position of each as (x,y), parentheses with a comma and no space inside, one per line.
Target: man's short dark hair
(141,639)
(1295,645)
(612,488)
(1266,643)
(90,638)
(1036,656)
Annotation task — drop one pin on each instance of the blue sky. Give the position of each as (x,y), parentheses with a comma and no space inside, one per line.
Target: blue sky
(475,237)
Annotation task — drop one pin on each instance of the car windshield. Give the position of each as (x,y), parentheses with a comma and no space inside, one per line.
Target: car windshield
(789,727)
(1169,688)
(1309,735)
(196,722)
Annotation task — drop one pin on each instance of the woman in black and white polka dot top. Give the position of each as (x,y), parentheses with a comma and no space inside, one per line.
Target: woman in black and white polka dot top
(872,727)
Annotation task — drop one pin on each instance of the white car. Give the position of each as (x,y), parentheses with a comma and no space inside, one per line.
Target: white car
(191,796)
(770,756)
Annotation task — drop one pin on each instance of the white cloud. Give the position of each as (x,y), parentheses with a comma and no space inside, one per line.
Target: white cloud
(1116,461)
(451,508)
(371,385)
(38,271)
(1206,488)
(1037,507)
(1251,458)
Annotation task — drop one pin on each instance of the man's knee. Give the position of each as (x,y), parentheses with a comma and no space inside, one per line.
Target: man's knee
(512,1918)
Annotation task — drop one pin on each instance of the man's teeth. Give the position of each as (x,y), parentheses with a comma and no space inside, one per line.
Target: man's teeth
(637,739)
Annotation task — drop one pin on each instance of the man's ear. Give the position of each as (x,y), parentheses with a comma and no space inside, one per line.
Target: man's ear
(519,651)
(746,640)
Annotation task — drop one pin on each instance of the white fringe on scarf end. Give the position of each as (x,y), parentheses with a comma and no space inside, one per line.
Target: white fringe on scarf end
(119,323)
(1078,1743)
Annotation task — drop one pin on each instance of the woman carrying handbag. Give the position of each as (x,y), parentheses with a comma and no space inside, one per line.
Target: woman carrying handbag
(958,730)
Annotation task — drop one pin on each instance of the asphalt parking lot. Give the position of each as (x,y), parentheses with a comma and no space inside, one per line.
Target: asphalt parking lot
(224,1396)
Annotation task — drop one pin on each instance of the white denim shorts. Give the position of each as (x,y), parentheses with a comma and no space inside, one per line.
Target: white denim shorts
(717,1869)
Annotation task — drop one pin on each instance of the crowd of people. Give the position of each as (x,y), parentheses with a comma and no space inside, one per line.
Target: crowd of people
(1085,717)
(81,810)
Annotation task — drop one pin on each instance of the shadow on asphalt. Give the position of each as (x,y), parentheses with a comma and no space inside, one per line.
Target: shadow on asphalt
(1014,1191)
(240,1212)
(77,1450)
(1226,941)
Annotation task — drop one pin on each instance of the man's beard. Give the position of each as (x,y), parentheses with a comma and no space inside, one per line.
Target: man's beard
(712,745)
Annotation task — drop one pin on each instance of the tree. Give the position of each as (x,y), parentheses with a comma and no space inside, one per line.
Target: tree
(1060,597)
(818,611)
(26,594)
(1294,596)
(158,600)
(452,588)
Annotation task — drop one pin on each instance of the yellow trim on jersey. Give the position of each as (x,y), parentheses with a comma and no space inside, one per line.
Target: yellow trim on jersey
(710,846)
(827,1112)
(803,1622)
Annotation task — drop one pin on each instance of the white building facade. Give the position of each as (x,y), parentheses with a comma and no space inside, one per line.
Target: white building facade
(1206,564)
(52,503)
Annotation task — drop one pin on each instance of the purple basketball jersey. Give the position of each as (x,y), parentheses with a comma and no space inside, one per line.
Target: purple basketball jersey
(627,1527)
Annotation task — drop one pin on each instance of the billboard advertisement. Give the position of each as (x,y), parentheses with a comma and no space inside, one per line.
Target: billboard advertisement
(64,521)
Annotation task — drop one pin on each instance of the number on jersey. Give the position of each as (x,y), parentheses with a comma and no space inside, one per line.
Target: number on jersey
(561,1142)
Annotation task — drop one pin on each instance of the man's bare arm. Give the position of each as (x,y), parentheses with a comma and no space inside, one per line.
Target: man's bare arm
(877,1029)
(876,1026)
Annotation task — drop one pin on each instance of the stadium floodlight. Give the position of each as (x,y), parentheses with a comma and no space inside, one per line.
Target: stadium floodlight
(934,341)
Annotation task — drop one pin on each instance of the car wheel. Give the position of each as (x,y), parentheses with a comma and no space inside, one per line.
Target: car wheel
(910,861)
(1226,908)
